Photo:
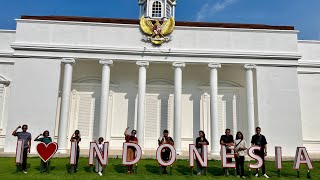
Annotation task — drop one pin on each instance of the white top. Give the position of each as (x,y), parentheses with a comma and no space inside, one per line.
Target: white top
(242,145)
(100,146)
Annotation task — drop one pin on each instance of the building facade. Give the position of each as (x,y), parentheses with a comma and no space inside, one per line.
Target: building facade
(102,75)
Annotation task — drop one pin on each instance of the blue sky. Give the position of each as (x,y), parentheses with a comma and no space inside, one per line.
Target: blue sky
(303,14)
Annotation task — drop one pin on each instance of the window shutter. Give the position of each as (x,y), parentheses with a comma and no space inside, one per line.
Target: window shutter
(151,115)
(85,115)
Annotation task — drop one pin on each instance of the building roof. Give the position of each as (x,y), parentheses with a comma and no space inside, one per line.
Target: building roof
(136,21)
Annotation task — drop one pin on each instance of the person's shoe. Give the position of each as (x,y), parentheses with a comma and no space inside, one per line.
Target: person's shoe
(243,177)
(100,174)
(25,172)
(199,174)
(266,176)
(256,175)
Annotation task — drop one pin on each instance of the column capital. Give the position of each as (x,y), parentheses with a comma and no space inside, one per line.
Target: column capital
(249,66)
(142,63)
(214,65)
(68,60)
(106,62)
(179,65)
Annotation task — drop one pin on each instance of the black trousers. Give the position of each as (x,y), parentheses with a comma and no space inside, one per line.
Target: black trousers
(240,165)
(165,156)
(24,159)
(77,159)
(261,154)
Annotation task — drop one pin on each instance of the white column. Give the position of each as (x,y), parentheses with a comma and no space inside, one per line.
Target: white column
(250,100)
(141,100)
(105,83)
(65,103)
(178,66)
(215,144)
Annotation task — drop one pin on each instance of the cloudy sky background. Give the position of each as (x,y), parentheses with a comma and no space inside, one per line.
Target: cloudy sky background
(304,15)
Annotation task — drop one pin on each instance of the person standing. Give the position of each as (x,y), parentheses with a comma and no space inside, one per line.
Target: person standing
(227,141)
(240,147)
(26,138)
(200,141)
(259,140)
(165,154)
(76,137)
(130,138)
(45,139)
(97,164)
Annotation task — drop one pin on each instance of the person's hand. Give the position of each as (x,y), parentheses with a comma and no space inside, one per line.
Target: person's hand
(265,153)
(127,128)
(29,150)
(18,127)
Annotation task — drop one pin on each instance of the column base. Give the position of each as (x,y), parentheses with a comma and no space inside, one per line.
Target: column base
(62,151)
(214,153)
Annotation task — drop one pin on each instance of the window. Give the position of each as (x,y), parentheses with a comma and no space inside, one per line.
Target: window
(168,10)
(156,9)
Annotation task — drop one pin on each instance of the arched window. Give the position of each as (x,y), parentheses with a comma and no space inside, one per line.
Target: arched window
(156,9)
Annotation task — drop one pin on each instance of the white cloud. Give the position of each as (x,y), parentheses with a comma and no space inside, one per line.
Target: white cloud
(209,9)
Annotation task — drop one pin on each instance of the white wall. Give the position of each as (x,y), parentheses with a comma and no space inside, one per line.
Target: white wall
(279,108)
(309,87)
(125,42)
(6,38)
(33,97)
(6,74)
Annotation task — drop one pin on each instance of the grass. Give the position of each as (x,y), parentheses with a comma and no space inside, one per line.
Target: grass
(148,169)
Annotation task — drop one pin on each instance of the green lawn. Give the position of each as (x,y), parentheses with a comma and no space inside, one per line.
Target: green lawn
(148,169)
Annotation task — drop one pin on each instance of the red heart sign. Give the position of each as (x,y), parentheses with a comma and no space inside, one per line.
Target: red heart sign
(46,151)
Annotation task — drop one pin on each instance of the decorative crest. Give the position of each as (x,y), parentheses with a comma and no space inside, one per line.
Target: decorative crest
(157,31)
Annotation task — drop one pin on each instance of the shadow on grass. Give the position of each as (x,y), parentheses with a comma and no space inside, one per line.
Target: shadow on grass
(216,171)
(288,175)
(184,170)
(88,169)
(153,169)
(120,169)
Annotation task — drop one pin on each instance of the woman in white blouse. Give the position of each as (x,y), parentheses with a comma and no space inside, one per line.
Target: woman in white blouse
(240,147)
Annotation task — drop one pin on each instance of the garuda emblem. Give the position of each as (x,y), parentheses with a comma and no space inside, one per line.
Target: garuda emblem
(156,30)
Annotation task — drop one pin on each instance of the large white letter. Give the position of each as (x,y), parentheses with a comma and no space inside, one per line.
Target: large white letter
(173,155)
(94,150)
(202,159)
(256,157)
(224,157)
(73,153)
(125,152)
(19,151)
(302,157)
(278,151)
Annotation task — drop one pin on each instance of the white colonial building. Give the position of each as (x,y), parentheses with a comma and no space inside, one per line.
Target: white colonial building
(102,75)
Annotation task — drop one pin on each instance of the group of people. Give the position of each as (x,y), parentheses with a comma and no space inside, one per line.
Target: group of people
(45,138)
(238,144)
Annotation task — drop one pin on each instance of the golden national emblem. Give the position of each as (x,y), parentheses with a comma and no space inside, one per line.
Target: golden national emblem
(157,31)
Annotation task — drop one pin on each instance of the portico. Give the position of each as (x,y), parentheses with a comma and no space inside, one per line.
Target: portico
(153,98)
